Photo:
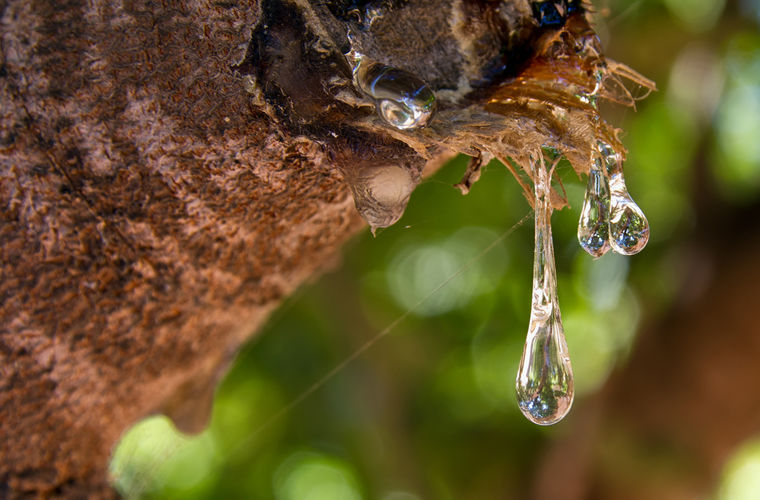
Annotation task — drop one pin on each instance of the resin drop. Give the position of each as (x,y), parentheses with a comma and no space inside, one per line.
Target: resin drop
(629,228)
(381,193)
(545,378)
(593,226)
(402,100)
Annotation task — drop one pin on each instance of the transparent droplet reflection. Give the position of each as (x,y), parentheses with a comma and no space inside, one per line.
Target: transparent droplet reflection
(629,228)
(402,100)
(593,226)
(545,378)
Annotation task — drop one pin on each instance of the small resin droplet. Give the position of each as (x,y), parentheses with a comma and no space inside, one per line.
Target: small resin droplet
(629,228)
(402,100)
(594,224)
(381,193)
(545,378)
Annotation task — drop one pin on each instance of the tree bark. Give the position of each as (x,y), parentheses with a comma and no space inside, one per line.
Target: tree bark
(151,219)
(154,211)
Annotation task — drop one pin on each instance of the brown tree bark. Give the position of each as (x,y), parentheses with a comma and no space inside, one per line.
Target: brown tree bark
(151,218)
(154,210)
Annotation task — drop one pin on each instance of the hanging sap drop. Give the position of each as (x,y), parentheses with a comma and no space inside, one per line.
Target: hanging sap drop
(545,378)
(402,100)
(629,228)
(593,226)
(381,193)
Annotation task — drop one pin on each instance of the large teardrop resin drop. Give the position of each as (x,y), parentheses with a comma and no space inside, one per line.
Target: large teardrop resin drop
(545,378)
(594,223)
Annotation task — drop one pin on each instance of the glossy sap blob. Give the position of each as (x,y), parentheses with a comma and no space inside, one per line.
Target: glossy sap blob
(402,100)
(629,228)
(381,193)
(594,224)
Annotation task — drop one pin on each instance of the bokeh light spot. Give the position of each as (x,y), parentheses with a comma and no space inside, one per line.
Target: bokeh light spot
(153,455)
(419,269)
(696,15)
(741,475)
(313,476)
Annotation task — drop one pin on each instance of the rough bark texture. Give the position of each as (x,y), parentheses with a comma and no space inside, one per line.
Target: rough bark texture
(150,220)
(154,211)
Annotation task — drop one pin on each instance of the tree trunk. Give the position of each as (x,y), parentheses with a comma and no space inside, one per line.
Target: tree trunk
(157,204)
(151,219)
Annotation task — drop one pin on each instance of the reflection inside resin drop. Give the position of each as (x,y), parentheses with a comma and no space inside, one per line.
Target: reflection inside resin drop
(629,228)
(593,226)
(545,378)
(402,100)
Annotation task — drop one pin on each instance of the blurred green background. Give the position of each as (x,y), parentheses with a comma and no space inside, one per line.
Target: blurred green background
(429,411)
